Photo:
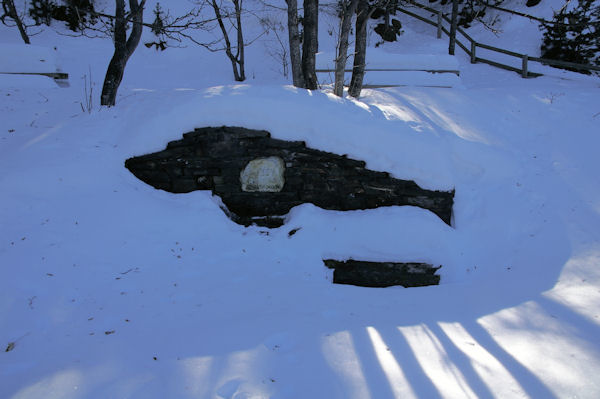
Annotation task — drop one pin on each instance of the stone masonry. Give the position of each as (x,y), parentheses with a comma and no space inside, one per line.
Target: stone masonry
(259,178)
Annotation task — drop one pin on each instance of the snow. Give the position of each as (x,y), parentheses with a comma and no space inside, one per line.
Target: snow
(26,81)
(19,58)
(114,289)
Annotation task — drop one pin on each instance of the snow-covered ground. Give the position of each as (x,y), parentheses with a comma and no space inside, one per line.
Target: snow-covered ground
(112,289)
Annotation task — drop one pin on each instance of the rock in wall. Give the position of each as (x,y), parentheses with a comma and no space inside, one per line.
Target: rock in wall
(259,178)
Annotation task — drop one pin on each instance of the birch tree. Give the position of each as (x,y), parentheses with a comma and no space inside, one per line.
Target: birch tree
(310,45)
(348,8)
(303,61)
(294,42)
(363,13)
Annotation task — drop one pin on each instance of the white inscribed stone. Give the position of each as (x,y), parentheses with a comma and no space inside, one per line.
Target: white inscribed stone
(263,175)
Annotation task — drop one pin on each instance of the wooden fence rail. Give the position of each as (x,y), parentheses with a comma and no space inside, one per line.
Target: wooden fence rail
(53,75)
(471,48)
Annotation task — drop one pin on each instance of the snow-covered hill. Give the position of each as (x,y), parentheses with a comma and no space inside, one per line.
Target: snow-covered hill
(113,289)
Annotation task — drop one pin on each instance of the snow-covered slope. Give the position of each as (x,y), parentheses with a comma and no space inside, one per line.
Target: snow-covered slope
(113,289)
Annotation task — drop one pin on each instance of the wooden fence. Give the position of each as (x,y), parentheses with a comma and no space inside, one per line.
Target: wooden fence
(53,75)
(471,47)
(404,70)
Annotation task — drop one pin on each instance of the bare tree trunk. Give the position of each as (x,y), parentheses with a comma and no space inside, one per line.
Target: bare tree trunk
(453,24)
(11,12)
(240,39)
(116,67)
(237,60)
(360,49)
(348,10)
(294,39)
(311,43)
(124,47)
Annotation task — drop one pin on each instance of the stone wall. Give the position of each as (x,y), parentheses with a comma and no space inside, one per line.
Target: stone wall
(382,274)
(259,179)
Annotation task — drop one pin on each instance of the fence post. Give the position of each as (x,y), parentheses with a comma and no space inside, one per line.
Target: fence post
(439,25)
(525,59)
(473,49)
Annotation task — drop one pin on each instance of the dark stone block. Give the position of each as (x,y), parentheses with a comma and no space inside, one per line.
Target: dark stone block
(213,158)
(282,144)
(184,185)
(382,274)
(156,176)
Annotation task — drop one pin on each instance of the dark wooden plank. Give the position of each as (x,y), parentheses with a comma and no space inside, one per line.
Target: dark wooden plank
(499,50)
(454,71)
(53,75)
(498,65)
(404,85)
(462,32)
(462,46)
(506,67)
(423,7)
(444,17)
(417,16)
(547,61)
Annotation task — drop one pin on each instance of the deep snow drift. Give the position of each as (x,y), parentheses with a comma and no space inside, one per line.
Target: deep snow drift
(114,289)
